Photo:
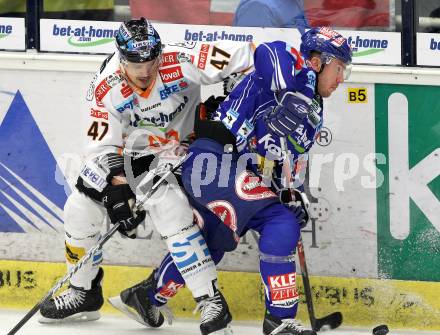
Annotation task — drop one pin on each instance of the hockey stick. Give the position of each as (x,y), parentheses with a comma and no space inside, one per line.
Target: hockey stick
(92,251)
(332,320)
(66,278)
(153,189)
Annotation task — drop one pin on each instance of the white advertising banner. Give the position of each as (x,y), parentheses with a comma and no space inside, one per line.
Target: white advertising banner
(374,47)
(368,47)
(12,33)
(78,36)
(428,49)
(208,33)
(98,37)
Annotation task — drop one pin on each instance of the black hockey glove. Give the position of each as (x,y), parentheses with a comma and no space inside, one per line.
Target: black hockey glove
(117,200)
(298,203)
(230,82)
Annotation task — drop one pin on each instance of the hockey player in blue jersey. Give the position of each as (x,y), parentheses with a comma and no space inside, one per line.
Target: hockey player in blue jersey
(235,170)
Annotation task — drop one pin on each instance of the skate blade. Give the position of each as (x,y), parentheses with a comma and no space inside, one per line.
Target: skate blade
(224,331)
(117,303)
(78,317)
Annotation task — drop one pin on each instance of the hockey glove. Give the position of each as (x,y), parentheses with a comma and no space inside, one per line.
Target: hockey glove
(229,83)
(298,203)
(117,199)
(284,119)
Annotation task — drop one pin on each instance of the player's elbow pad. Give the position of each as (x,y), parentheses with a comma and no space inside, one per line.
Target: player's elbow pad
(97,172)
(285,118)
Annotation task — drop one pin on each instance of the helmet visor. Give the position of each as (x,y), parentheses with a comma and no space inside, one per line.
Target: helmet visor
(345,69)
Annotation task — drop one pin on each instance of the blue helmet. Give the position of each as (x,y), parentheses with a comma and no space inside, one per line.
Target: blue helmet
(326,41)
(137,41)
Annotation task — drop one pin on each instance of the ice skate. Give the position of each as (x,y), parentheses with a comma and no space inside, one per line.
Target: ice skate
(215,315)
(275,326)
(135,303)
(75,304)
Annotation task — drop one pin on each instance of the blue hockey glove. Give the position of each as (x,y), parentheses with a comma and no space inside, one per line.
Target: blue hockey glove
(285,118)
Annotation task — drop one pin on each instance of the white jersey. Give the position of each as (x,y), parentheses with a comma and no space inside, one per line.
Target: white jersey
(167,107)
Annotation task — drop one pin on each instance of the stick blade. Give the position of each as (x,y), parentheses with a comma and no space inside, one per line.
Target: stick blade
(330,321)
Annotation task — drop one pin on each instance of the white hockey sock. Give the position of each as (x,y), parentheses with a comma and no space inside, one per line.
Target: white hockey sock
(193,260)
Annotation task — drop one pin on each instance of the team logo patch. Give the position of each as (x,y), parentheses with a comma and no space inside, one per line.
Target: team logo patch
(126,90)
(311,80)
(171,74)
(203,56)
(128,104)
(328,34)
(98,114)
(169,58)
(172,88)
(185,58)
(101,90)
(225,212)
(145,43)
(248,186)
(114,79)
(283,292)
(170,289)
(231,117)
(245,129)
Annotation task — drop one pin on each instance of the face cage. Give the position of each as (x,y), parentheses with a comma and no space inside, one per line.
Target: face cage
(327,58)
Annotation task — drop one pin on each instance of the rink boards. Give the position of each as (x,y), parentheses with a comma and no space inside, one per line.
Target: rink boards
(373,183)
(363,302)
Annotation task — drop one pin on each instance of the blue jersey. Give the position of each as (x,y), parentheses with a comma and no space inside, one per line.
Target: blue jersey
(278,67)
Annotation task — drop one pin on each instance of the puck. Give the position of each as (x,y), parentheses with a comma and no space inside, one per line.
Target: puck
(381,330)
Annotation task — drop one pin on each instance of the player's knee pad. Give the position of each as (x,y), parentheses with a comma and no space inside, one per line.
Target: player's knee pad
(82,222)
(280,235)
(82,215)
(169,210)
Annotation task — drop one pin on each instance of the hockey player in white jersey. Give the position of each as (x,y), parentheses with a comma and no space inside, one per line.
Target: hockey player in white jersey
(156,88)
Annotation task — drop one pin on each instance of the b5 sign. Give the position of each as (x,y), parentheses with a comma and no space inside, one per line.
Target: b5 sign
(357,95)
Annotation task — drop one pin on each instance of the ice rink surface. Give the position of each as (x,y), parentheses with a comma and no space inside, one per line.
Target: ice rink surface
(119,325)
